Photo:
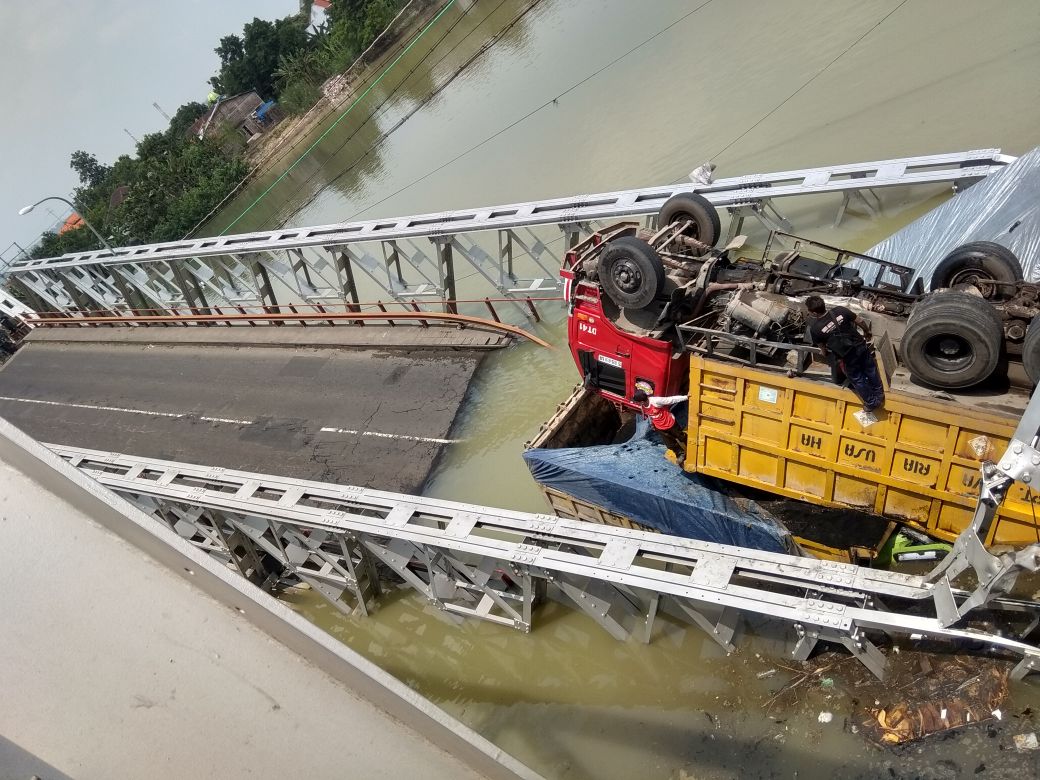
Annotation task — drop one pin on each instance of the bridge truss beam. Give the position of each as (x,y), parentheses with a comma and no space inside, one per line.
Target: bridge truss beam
(415,257)
(498,565)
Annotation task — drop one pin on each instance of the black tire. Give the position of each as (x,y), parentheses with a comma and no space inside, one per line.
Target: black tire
(954,342)
(1031,350)
(977,263)
(706,227)
(631,272)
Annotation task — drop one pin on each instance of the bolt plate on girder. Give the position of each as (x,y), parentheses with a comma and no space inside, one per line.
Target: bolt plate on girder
(526,553)
(826,613)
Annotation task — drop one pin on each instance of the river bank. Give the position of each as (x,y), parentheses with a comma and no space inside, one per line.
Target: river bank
(290,134)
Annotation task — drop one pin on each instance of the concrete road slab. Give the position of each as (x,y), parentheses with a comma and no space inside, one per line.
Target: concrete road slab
(377,419)
(405,336)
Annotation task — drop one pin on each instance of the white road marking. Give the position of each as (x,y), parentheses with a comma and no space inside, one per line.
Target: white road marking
(98,408)
(203,418)
(431,439)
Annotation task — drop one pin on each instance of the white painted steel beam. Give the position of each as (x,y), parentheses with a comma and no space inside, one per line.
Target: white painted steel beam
(457,555)
(927,169)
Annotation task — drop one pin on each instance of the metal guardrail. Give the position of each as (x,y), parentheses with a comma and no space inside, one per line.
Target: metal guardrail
(497,565)
(414,256)
(420,318)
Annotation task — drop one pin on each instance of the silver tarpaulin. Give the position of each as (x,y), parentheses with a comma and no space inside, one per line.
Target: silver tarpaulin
(1004,208)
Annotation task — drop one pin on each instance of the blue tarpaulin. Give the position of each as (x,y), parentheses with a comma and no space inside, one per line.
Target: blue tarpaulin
(633,479)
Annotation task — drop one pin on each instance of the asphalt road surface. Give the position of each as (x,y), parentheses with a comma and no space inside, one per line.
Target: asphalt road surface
(376,419)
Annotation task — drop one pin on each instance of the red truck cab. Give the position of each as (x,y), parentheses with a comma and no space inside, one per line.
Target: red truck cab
(612,361)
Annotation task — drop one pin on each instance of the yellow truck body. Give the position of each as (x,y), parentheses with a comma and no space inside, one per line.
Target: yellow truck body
(797,437)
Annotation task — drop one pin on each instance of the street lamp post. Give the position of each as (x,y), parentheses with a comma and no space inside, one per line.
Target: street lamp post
(121,285)
(101,238)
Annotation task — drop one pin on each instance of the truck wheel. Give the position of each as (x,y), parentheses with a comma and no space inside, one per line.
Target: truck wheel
(954,342)
(706,227)
(977,264)
(1031,350)
(631,272)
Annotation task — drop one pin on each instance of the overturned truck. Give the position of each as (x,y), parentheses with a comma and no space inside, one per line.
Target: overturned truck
(668,312)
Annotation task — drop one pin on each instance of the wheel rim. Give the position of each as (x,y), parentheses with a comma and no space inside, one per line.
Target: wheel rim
(626,276)
(977,278)
(949,352)
(692,230)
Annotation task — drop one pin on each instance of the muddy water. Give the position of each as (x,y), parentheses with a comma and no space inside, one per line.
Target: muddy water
(754,86)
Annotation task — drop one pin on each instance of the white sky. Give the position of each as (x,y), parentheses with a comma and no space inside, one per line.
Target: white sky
(75,73)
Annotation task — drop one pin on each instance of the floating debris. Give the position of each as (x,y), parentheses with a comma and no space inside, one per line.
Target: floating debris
(956,692)
(1026,741)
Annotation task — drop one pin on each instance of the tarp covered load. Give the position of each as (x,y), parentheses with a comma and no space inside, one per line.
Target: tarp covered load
(634,480)
(1003,208)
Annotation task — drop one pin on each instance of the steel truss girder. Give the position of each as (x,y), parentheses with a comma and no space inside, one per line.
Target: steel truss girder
(925,169)
(239,269)
(497,564)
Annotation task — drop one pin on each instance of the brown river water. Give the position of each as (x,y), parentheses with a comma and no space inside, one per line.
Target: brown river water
(754,86)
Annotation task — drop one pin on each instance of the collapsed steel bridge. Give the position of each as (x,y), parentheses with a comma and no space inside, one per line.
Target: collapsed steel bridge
(495,564)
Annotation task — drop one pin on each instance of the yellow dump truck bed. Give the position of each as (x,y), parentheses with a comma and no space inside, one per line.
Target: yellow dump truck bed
(797,438)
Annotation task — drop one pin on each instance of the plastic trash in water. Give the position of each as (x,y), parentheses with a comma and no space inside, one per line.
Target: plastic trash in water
(1026,741)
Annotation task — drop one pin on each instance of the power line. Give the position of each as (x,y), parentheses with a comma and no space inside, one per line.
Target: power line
(531,113)
(819,73)
(397,125)
(277,156)
(343,115)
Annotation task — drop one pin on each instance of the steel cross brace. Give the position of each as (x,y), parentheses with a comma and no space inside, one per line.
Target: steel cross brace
(761,209)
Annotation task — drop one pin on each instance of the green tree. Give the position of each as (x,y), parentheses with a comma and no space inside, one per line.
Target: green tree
(353,25)
(250,62)
(91,173)
(184,118)
(345,12)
